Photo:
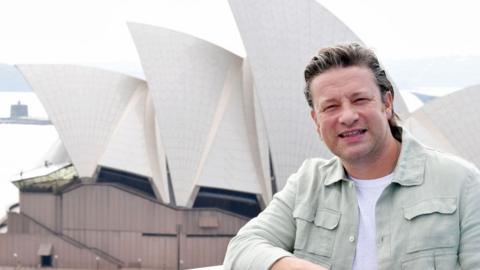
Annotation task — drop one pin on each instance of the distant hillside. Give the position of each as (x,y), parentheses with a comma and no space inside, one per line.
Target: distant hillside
(11,80)
(411,74)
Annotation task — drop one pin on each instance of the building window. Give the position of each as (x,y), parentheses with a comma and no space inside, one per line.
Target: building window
(242,203)
(133,181)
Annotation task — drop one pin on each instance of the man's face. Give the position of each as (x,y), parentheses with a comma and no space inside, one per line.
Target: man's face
(349,114)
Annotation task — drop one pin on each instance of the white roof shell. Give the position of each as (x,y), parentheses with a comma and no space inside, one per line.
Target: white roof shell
(447,123)
(135,145)
(57,154)
(84,104)
(102,118)
(197,90)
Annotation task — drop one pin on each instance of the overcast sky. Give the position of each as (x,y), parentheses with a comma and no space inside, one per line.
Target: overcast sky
(410,28)
(94,32)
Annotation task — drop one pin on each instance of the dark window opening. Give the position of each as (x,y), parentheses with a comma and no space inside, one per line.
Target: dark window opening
(134,181)
(173,201)
(160,234)
(242,203)
(46,261)
(273,178)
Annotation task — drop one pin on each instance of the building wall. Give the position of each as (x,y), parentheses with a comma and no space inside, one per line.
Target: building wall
(26,247)
(108,208)
(132,227)
(203,251)
(118,225)
(25,231)
(19,224)
(121,224)
(39,206)
(154,251)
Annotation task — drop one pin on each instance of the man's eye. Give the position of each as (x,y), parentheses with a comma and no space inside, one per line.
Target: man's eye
(360,100)
(329,108)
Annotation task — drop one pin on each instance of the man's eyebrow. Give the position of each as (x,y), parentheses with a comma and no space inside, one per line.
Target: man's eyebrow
(355,94)
(359,93)
(327,101)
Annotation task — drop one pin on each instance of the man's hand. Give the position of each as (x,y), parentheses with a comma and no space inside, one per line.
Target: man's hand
(293,263)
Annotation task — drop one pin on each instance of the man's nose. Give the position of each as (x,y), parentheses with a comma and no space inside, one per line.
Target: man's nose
(348,115)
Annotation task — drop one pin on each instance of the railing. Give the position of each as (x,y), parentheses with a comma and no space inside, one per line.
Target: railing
(105,256)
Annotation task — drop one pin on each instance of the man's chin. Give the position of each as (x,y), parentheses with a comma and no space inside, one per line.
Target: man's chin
(353,155)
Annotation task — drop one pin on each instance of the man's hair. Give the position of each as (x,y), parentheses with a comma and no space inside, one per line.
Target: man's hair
(347,55)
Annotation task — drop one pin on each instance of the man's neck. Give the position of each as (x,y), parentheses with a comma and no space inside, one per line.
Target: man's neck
(378,167)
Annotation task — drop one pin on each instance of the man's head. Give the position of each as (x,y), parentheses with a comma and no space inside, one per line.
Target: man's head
(348,55)
(352,105)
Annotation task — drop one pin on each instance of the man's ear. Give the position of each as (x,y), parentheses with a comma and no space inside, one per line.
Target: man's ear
(388,103)
(314,116)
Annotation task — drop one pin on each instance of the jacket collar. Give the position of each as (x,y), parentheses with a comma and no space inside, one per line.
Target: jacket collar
(409,170)
(411,163)
(334,171)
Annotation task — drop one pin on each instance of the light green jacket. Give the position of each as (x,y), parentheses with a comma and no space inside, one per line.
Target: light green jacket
(427,218)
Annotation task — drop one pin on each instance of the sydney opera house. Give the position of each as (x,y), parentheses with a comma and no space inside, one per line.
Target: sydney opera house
(160,173)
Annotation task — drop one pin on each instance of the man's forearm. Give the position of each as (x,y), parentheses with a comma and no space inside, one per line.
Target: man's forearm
(294,263)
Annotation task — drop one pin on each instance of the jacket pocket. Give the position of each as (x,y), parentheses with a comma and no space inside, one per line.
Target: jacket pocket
(432,262)
(316,234)
(422,263)
(432,223)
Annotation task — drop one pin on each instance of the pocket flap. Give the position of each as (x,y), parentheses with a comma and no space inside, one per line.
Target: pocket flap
(327,218)
(435,205)
(306,214)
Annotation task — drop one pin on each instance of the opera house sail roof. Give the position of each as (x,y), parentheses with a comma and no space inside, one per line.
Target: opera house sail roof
(449,123)
(197,91)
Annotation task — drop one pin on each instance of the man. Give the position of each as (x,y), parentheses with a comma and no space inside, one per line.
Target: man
(383,202)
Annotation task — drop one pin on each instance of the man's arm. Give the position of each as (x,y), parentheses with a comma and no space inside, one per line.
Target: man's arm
(469,249)
(268,237)
(293,263)
(266,241)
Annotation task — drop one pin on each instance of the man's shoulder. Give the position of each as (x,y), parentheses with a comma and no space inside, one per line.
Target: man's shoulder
(435,159)
(448,173)
(448,163)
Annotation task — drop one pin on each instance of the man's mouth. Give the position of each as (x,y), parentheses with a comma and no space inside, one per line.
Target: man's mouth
(351,133)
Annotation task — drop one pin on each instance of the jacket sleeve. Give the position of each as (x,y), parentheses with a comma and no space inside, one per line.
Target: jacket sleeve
(268,237)
(469,249)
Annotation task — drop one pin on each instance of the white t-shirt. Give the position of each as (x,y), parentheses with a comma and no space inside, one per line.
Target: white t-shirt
(368,192)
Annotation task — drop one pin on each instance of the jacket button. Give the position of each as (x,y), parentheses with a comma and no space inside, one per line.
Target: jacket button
(351,238)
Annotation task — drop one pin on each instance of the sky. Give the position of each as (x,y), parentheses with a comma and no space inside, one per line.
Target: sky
(94,32)
(412,29)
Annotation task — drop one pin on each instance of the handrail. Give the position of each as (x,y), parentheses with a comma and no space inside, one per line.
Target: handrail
(100,253)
